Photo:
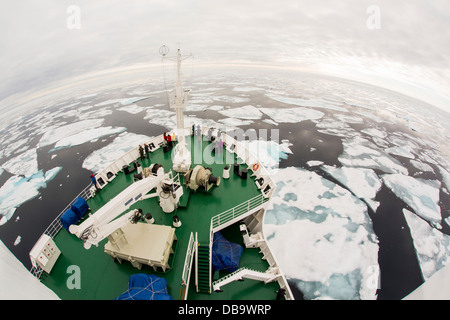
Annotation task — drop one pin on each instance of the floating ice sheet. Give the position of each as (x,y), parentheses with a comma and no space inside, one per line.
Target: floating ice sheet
(422,166)
(24,164)
(364,183)
(86,136)
(421,195)
(312,103)
(432,246)
(248,112)
(55,134)
(322,236)
(103,157)
(359,152)
(292,115)
(18,190)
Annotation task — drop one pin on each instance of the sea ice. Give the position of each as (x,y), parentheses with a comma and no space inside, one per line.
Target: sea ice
(292,115)
(86,136)
(24,164)
(246,89)
(231,123)
(445,177)
(322,236)
(55,134)
(162,117)
(422,166)
(363,183)
(132,109)
(432,246)
(18,189)
(248,112)
(401,151)
(314,163)
(312,103)
(421,195)
(103,157)
(359,152)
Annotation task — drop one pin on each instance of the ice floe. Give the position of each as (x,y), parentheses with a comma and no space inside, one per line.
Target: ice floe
(322,237)
(132,109)
(86,136)
(18,189)
(359,152)
(248,112)
(336,128)
(24,164)
(431,245)
(314,163)
(292,115)
(421,195)
(103,157)
(401,151)
(312,103)
(422,166)
(363,183)
(445,177)
(57,133)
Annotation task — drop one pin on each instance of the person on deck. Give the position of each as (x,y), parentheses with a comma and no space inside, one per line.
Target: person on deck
(141,152)
(147,152)
(94,182)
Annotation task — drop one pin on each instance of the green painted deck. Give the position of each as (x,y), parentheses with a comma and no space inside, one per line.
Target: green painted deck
(105,279)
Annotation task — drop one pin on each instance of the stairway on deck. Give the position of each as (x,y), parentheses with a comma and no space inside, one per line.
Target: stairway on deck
(203,273)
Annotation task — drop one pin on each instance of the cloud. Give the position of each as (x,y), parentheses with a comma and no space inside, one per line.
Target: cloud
(323,36)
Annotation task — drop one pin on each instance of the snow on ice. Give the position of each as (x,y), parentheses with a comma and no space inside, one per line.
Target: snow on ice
(323,239)
(248,112)
(421,195)
(292,115)
(123,143)
(363,183)
(86,136)
(24,164)
(18,190)
(432,246)
(359,152)
(58,133)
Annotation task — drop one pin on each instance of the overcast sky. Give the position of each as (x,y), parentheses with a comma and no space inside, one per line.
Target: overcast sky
(409,50)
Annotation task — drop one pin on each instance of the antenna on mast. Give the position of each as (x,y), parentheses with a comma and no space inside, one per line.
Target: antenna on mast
(182,159)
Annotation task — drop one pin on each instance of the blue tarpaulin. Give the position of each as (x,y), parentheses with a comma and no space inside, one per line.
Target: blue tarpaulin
(145,287)
(80,207)
(69,217)
(225,254)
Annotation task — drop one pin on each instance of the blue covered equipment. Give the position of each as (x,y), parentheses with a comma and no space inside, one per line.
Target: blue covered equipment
(145,287)
(77,211)
(225,254)
(80,207)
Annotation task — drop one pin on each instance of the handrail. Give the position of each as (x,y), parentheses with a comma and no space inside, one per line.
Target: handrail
(237,211)
(186,275)
(188,260)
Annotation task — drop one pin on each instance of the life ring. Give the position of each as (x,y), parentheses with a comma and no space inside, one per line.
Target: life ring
(255,167)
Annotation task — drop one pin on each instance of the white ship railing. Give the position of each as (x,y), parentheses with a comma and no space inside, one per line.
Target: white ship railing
(186,275)
(56,225)
(229,216)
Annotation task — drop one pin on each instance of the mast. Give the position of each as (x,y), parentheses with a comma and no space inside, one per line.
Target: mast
(182,159)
